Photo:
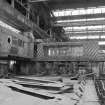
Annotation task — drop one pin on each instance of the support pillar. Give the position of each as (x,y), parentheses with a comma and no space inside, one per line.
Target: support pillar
(3,68)
(13,3)
(28,12)
(38,20)
(38,67)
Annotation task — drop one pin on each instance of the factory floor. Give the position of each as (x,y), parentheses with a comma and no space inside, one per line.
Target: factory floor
(12,97)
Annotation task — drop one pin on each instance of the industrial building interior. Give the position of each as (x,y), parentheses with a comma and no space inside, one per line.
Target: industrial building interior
(52,52)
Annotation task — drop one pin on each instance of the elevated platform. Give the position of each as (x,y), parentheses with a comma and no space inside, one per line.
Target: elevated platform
(12,57)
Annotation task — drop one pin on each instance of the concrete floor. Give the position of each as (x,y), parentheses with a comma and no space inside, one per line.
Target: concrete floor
(10,97)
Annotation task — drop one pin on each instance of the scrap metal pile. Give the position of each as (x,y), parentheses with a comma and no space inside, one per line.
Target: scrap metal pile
(40,90)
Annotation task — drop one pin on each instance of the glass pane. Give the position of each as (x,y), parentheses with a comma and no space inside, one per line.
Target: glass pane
(75,12)
(103,36)
(82,11)
(93,37)
(97,10)
(79,11)
(103,9)
(67,13)
(61,13)
(89,11)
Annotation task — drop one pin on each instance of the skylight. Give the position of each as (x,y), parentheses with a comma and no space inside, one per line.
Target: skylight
(85,37)
(101,42)
(93,37)
(83,28)
(79,11)
(102,36)
(78,37)
(74,32)
(80,20)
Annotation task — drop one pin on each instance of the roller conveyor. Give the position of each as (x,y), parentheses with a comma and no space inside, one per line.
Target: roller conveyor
(100,87)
